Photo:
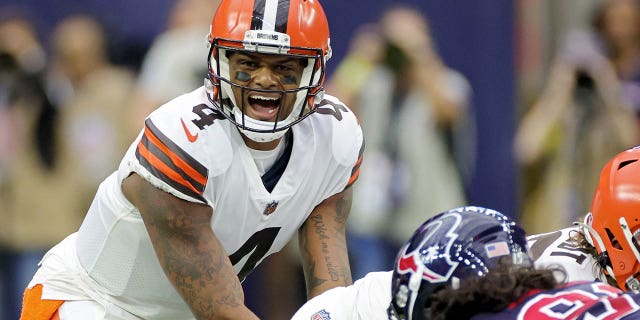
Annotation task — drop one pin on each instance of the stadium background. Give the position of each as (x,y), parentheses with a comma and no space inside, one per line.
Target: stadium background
(501,46)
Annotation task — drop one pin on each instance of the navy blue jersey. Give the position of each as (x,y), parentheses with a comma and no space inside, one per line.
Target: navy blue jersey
(576,300)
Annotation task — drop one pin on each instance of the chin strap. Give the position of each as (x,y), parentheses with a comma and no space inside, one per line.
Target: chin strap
(414,287)
(591,235)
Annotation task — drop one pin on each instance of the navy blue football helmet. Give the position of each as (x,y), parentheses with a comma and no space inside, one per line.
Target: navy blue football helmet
(449,247)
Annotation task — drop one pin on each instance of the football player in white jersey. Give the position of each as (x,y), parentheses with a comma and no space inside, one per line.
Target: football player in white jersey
(606,246)
(218,179)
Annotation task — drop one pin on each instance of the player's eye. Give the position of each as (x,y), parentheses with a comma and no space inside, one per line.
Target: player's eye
(248,63)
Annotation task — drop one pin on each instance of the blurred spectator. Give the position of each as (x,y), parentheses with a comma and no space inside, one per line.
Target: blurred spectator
(94,98)
(617,25)
(580,120)
(61,134)
(174,63)
(415,116)
(34,211)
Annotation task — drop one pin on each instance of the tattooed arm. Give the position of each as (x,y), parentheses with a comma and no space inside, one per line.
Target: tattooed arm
(323,245)
(189,252)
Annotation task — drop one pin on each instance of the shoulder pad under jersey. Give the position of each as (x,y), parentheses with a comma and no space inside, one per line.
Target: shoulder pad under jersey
(347,140)
(181,146)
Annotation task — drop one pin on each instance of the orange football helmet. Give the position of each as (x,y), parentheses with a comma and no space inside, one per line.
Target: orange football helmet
(614,221)
(296,28)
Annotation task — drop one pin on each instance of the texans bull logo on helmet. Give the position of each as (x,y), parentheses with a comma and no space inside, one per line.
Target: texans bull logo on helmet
(411,256)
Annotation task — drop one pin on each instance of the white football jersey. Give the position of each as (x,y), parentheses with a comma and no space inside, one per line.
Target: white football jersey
(366,299)
(190,151)
(556,249)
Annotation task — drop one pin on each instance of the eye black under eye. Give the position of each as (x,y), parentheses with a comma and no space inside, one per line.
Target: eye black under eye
(290,79)
(242,76)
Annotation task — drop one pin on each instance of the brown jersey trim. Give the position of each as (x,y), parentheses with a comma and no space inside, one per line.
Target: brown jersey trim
(168,162)
(355,172)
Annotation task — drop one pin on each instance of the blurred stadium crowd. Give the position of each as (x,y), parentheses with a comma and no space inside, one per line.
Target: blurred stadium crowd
(71,102)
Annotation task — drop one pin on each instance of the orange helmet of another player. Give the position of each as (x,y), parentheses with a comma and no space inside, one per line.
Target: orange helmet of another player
(296,28)
(614,221)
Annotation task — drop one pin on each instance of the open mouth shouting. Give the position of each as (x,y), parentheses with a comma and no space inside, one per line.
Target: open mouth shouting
(263,107)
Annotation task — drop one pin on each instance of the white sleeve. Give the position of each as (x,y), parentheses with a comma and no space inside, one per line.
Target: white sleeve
(556,249)
(366,299)
(337,303)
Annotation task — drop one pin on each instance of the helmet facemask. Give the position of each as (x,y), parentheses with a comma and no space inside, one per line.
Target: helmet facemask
(220,86)
(633,241)
(613,250)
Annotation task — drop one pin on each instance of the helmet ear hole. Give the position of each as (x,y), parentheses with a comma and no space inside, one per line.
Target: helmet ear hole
(612,239)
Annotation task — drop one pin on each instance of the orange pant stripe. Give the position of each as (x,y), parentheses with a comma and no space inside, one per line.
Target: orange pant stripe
(35,308)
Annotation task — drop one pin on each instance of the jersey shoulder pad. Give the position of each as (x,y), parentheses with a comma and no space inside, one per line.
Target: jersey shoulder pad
(543,241)
(378,280)
(373,293)
(337,121)
(335,303)
(180,147)
(560,248)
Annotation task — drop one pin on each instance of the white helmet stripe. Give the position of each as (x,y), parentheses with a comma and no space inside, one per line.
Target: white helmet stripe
(270,15)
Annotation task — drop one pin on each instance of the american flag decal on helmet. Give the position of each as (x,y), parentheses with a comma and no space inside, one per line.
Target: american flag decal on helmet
(497,249)
(270,208)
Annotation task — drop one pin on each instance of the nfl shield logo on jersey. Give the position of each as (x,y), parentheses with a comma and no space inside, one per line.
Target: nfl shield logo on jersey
(321,315)
(270,208)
